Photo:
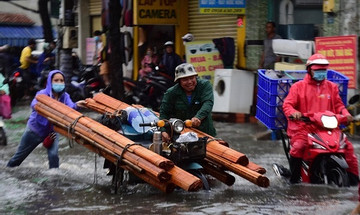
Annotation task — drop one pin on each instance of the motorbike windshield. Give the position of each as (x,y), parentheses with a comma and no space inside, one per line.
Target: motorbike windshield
(329,122)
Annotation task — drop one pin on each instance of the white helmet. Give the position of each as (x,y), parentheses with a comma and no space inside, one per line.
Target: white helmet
(169,43)
(188,37)
(317,59)
(184,70)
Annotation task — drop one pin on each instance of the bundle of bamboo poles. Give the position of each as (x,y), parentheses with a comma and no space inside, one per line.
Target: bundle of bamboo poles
(219,158)
(147,165)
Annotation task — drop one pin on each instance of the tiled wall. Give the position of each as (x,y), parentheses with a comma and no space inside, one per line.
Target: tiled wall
(256,12)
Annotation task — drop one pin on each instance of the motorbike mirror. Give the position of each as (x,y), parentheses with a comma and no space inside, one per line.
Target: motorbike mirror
(188,123)
(354,99)
(329,122)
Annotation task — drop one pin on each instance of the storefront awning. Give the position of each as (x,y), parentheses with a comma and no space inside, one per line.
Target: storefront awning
(19,35)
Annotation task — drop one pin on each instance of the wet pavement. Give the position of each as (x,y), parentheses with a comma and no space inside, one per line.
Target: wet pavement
(80,185)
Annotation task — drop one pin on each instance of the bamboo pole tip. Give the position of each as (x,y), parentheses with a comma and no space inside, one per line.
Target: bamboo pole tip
(243,160)
(263,181)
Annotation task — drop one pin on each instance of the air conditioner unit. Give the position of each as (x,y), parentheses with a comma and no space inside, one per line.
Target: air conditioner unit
(296,48)
(70,38)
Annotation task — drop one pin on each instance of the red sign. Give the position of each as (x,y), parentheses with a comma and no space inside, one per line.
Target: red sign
(341,53)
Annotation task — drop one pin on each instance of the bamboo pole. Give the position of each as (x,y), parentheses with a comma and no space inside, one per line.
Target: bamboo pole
(133,158)
(97,148)
(105,131)
(213,147)
(242,171)
(164,187)
(184,179)
(256,168)
(217,173)
(179,176)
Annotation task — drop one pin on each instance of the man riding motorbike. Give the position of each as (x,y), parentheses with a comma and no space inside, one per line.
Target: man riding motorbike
(311,95)
(190,98)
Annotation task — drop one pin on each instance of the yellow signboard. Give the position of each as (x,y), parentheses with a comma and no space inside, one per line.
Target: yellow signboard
(156,12)
(205,57)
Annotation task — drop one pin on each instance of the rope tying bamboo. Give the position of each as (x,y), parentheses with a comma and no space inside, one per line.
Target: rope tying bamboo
(71,130)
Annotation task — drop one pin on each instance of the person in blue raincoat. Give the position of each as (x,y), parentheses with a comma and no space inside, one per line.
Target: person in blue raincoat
(39,129)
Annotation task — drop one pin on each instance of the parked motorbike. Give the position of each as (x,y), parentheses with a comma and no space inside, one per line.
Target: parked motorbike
(185,150)
(16,86)
(149,90)
(87,85)
(323,161)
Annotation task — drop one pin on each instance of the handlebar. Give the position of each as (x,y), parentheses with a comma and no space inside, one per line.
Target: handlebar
(159,123)
(146,124)
(303,118)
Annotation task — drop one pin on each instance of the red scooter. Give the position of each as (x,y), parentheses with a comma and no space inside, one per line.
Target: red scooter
(323,161)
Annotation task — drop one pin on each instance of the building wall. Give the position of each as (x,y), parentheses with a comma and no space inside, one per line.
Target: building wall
(256,18)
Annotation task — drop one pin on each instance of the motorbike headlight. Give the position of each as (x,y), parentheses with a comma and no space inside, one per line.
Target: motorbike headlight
(329,122)
(317,146)
(178,125)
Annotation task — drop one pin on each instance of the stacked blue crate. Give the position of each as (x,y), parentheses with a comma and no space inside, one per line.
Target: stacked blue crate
(273,91)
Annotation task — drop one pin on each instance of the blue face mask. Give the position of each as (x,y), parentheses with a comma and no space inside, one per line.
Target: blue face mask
(97,38)
(320,75)
(58,87)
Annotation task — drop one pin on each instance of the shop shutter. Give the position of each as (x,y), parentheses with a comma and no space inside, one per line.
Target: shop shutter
(208,27)
(95,7)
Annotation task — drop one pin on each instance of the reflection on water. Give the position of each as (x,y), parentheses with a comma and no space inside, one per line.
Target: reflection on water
(71,189)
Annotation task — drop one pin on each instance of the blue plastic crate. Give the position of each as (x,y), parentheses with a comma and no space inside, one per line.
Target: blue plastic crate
(272,92)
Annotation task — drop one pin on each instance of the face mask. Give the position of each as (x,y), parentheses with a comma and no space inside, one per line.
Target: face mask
(58,87)
(320,75)
(148,53)
(97,38)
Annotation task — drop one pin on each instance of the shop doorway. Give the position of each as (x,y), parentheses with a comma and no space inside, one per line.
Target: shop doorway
(154,36)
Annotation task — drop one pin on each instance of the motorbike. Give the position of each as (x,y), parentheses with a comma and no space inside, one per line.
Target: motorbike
(186,150)
(323,161)
(149,89)
(16,86)
(87,85)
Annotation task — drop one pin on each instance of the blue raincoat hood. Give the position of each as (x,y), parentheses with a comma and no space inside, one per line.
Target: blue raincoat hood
(39,124)
(48,88)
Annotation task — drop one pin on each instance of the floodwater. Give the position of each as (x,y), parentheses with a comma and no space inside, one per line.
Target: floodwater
(80,185)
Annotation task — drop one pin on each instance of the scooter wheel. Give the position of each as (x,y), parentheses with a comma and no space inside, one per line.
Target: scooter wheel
(202,177)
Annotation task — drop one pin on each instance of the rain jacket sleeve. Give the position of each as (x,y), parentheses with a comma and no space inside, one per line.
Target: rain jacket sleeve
(291,105)
(338,103)
(207,100)
(166,106)
(69,102)
(4,87)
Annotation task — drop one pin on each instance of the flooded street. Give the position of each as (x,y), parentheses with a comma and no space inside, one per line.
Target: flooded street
(80,185)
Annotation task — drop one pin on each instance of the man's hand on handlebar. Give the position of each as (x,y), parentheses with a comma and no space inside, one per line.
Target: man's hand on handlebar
(165,137)
(350,118)
(195,122)
(296,115)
